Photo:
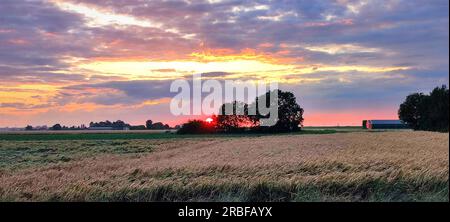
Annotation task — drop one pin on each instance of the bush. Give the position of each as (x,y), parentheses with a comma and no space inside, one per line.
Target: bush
(197,127)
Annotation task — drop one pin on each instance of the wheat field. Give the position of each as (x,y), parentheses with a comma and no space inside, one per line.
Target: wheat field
(355,166)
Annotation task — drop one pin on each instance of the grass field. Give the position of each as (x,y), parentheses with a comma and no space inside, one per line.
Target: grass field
(321,164)
(130,135)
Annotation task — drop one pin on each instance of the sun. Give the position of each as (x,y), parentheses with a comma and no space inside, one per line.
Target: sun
(209,120)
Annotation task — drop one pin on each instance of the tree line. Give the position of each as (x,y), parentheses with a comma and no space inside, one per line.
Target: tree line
(115,125)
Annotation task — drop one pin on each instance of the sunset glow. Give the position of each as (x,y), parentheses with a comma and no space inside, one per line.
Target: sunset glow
(209,120)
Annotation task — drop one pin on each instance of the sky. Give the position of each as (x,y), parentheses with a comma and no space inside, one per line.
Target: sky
(77,61)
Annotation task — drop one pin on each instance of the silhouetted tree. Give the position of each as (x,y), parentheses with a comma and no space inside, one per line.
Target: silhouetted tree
(149,124)
(57,127)
(243,116)
(427,112)
(236,120)
(413,109)
(29,127)
(119,124)
(290,114)
(438,109)
(158,126)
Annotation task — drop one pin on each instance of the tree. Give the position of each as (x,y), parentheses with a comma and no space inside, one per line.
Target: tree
(106,123)
(57,127)
(149,124)
(411,111)
(243,116)
(438,110)
(427,112)
(290,114)
(159,126)
(237,120)
(196,127)
(119,124)
(29,127)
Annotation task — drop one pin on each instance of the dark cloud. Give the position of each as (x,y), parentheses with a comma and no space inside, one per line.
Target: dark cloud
(23,106)
(37,74)
(35,37)
(37,15)
(215,74)
(115,92)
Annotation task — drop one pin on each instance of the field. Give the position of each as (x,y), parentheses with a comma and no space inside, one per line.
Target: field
(316,165)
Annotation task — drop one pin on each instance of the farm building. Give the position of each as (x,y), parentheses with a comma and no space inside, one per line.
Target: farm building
(385,124)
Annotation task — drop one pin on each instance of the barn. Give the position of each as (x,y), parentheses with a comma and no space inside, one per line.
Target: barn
(386,124)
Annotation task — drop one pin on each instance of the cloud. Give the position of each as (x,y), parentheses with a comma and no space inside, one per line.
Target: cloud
(115,92)
(216,74)
(37,34)
(22,106)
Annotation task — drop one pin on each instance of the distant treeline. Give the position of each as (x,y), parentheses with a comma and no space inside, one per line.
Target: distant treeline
(114,125)
(119,124)
(56,127)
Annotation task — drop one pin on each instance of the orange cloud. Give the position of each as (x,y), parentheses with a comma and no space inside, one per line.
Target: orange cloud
(209,55)
(152,102)
(87,107)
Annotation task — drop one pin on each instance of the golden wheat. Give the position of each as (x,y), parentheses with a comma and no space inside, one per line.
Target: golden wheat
(418,160)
